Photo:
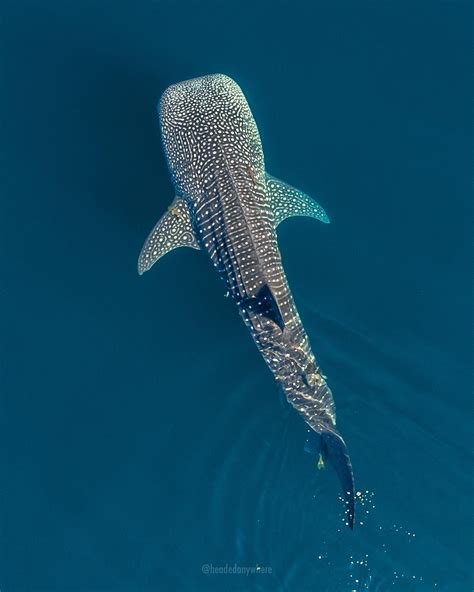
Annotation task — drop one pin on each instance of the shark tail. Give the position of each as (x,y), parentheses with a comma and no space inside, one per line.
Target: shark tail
(328,442)
(334,449)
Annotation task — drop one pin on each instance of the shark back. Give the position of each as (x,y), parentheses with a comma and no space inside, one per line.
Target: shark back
(228,206)
(215,155)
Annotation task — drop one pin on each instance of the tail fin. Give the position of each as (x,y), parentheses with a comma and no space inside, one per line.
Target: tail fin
(334,449)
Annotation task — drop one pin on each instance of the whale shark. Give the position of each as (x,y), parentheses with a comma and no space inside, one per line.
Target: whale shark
(228,206)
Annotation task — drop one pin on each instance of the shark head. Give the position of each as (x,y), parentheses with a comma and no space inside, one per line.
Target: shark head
(205,96)
(197,118)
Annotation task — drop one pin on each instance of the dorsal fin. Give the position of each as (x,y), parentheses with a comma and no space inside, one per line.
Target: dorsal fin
(264,303)
(286,201)
(174,229)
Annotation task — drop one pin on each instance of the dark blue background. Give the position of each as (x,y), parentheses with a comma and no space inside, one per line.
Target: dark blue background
(141,434)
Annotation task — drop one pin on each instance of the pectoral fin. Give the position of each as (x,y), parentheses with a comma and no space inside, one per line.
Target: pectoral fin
(174,229)
(286,201)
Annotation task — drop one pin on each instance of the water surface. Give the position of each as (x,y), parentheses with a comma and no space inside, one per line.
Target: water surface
(142,436)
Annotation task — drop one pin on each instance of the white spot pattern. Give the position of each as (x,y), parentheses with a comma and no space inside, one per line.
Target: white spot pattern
(174,229)
(286,201)
(216,160)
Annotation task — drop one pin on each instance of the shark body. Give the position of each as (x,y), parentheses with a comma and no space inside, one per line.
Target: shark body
(228,206)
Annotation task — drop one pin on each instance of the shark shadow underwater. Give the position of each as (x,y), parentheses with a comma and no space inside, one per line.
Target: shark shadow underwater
(227,205)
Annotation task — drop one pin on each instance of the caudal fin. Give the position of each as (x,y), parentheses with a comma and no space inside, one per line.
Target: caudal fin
(334,449)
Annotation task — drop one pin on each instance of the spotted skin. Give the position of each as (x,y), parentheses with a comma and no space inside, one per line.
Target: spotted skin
(232,207)
(171,231)
(287,201)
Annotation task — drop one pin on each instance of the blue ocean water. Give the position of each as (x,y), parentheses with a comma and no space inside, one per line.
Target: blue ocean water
(143,441)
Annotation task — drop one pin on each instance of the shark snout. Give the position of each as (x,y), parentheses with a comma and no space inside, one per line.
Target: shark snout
(199,95)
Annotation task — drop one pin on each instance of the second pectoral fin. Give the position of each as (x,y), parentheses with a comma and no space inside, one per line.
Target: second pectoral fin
(286,201)
(174,229)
